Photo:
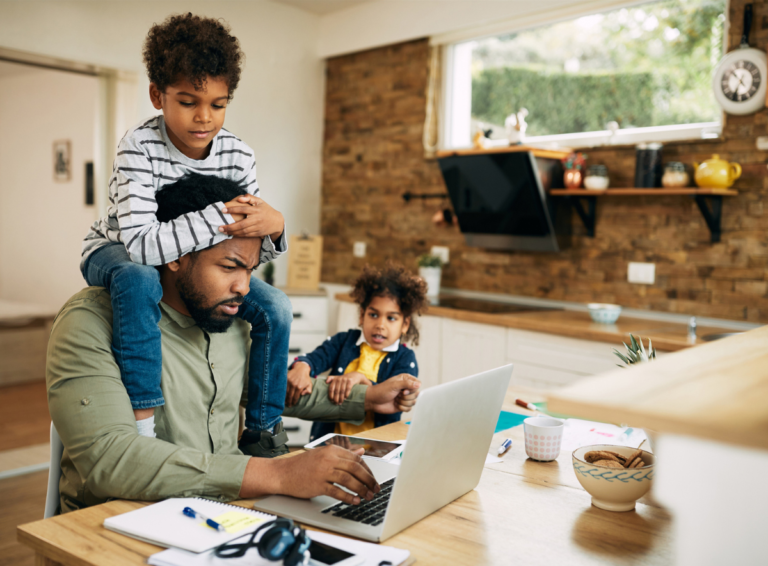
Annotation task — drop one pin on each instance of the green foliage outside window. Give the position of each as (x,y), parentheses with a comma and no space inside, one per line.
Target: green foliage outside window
(649,65)
(553,105)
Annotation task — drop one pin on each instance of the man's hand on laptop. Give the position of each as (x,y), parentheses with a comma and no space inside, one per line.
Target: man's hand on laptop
(393,395)
(311,474)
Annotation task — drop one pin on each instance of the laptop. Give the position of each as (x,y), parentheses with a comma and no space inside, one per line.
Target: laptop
(448,439)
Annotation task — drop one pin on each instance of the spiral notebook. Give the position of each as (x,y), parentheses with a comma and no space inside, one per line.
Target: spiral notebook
(164,524)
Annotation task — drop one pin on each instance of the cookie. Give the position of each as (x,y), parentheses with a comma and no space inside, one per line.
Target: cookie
(596,455)
(631,458)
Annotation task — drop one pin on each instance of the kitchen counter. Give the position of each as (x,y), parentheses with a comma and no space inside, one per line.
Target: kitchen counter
(666,335)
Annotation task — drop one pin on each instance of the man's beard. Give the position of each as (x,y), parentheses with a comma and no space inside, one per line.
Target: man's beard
(206,317)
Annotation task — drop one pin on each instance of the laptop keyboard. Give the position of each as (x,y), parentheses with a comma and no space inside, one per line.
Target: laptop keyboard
(368,512)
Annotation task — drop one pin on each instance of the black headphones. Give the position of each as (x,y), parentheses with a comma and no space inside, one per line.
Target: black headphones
(283,541)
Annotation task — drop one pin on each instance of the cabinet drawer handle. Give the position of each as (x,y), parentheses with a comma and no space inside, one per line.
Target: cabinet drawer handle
(297,315)
(291,428)
(294,350)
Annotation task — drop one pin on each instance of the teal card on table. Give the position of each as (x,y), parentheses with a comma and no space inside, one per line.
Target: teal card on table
(509,420)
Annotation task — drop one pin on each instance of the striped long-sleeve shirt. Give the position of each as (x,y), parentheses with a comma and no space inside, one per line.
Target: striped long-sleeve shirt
(146,161)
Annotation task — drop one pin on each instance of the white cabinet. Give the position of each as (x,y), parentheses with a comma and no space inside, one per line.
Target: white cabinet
(452,349)
(348,317)
(308,330)
(429,351)
(547,361)
(469,348)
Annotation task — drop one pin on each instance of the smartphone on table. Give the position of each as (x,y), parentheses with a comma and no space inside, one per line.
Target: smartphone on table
(323,555)
(383,449)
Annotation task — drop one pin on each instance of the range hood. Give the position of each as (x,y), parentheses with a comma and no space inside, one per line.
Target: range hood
(501,201)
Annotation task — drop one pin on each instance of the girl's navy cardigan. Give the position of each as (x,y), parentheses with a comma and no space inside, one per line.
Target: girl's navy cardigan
(337,352)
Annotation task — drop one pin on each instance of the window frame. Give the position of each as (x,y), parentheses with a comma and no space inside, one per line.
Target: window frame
(456,116)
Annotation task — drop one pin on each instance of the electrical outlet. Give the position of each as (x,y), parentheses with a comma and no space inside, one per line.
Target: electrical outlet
(358,250)
(762,143)
(441,252)
(644,273)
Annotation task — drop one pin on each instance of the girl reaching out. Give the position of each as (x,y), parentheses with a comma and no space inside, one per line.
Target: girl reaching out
(373,353)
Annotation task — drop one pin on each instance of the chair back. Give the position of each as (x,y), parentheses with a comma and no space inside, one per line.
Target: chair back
(54,474)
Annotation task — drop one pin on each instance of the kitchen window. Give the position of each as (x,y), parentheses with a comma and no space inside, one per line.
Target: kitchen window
(641,73)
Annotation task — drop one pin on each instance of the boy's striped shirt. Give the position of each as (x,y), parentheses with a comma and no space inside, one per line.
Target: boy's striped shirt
(146,161)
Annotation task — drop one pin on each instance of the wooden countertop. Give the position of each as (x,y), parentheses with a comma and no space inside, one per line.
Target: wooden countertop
(666,336)
(521,511)
(719,391)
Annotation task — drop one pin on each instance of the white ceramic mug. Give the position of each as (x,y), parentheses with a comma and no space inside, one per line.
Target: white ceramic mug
(543,438)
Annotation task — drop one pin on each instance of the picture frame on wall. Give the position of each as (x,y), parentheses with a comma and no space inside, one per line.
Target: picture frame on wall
(62,165)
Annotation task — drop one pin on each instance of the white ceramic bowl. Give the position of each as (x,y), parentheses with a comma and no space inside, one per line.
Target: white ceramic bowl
(604,313)
(613,489)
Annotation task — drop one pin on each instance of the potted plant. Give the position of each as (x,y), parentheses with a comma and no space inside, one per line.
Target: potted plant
(431,270)
(573,165)
(636,353)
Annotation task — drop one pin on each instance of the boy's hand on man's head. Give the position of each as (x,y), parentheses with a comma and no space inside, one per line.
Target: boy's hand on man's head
(228,208)
(260,219)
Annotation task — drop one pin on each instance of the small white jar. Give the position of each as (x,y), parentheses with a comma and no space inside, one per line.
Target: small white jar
(597,178)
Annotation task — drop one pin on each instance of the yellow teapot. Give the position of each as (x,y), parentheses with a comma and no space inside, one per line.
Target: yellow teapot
(716,173)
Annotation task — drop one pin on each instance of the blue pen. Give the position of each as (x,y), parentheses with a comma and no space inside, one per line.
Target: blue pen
(189,512)
(506,445)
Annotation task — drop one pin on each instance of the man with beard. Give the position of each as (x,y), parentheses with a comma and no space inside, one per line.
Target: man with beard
(205,356)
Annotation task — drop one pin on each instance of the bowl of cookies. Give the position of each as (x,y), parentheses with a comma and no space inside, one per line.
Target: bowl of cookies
(615,476)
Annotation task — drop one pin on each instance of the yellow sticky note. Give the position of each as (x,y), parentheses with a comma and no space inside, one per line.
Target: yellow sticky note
(236,521)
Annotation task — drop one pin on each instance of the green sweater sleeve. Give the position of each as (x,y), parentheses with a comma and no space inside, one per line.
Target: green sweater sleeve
(318,407)
(104,457)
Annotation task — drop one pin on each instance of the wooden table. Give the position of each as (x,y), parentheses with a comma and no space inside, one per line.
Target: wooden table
(522,512)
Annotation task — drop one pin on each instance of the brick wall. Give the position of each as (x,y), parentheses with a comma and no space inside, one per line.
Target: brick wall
(375,104)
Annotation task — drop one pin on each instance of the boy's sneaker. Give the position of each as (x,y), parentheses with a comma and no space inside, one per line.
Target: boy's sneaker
(264,444)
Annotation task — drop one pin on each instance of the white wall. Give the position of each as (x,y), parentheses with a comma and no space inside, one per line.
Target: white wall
(277,109)
(383,22)
(42,221)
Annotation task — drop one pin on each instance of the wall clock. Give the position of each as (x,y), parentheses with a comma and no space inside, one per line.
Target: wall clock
(740,79)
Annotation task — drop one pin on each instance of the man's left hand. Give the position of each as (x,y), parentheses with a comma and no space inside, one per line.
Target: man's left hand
(260,219)
(394,395)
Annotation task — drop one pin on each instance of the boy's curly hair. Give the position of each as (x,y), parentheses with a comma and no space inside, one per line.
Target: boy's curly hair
(395,281)
(193,48)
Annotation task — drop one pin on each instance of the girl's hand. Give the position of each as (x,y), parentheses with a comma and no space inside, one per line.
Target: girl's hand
(260,219)
(340,386)
(299,383)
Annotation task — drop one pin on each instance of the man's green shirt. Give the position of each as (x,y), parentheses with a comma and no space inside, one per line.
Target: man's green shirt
(203,382)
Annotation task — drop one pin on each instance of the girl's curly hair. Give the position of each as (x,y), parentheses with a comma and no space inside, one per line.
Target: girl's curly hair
(395,281)
(193,48)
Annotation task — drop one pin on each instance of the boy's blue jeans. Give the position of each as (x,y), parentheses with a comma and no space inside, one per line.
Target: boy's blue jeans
(136,342)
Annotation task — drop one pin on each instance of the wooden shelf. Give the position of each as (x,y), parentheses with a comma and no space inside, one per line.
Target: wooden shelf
(709,201)
(536,151)
(633,192)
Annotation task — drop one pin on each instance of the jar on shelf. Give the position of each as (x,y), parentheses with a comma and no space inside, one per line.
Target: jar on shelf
(596,178)
(675,175)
